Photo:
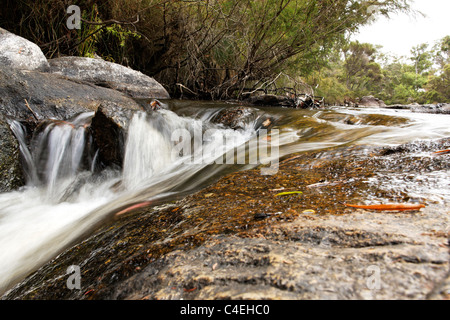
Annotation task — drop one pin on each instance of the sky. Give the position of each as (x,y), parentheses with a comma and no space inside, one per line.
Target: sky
(400,33)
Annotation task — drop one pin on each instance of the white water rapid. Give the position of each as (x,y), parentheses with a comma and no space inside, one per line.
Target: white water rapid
(64,199)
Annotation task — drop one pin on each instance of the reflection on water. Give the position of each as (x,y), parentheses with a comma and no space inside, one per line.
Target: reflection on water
(65,198)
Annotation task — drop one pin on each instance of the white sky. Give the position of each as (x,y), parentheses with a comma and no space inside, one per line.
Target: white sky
(400,33)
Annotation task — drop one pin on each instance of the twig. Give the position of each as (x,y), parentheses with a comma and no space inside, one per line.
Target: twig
(29,108)
(182,86)
(265,84)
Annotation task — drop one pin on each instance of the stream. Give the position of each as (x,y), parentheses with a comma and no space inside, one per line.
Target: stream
(169,154)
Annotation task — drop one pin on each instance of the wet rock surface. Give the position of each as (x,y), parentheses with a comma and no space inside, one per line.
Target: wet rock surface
(365,119)
(240,239)
(237,117)
(52,96)
(10,163)
(109,128)
(111,75)
(439,108)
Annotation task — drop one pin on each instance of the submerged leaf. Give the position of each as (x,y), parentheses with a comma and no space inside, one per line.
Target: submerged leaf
(389,207)
(288,193)
(134,207)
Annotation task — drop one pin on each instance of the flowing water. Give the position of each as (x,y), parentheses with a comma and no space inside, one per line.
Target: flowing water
(168,154)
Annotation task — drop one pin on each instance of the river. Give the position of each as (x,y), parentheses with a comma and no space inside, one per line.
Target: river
(168,154)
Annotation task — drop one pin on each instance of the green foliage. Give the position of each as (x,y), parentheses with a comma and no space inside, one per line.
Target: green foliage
(362,70)
(439,86)
(227,48)
(217,48)
(421,58)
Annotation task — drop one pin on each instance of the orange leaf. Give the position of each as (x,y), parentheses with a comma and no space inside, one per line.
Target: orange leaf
(136,206)
(389,207)
(443,151)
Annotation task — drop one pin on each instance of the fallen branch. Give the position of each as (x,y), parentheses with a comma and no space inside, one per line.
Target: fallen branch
(182,86)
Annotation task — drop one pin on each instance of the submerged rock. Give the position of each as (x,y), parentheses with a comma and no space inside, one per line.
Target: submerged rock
(234,117)
(19,53)
(237,118)
(11,173)
(111,75)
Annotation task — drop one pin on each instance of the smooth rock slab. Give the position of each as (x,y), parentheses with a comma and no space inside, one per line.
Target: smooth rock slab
(111,75)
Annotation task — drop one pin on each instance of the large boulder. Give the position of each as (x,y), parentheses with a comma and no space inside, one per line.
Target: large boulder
(111,75)
(10,164)
(29,95)
(19,53)
(371,101)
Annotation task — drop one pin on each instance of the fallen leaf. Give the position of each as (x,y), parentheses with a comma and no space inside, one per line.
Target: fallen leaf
(290,159)
(88,292)
(389,207)
(323,184)
(288,193)
(133,207)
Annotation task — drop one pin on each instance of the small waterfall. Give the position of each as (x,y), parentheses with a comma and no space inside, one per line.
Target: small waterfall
(19,131)
(148,148)
(164,143)
(56,154)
